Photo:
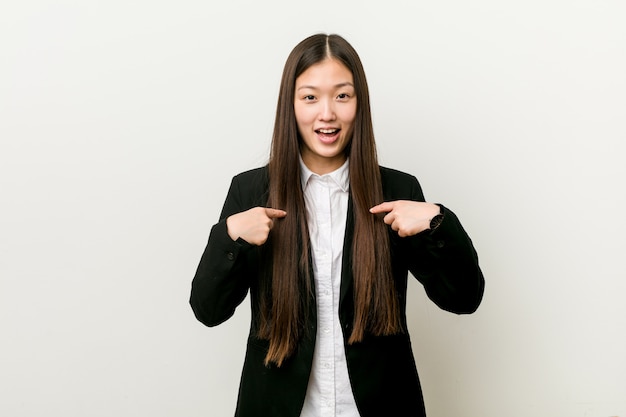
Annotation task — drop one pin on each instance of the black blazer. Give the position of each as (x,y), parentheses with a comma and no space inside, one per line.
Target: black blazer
(382,369)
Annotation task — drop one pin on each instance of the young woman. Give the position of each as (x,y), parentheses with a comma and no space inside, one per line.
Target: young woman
(323,238)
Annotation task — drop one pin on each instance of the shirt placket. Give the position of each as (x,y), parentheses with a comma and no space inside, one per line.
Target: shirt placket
(325,296)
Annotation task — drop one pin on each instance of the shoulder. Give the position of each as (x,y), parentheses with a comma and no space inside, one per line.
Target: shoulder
(250,187)
(251,174)
(256,178)
(399,185)
(387,173)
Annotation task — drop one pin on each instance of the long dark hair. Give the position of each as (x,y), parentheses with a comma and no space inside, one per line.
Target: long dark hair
(286,293)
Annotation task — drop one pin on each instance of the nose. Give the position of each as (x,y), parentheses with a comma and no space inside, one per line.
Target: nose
(327,110)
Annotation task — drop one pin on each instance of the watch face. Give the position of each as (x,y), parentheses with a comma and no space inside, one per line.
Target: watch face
(436,221)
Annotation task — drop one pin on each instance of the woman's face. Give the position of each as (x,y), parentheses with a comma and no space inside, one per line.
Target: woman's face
(325,107)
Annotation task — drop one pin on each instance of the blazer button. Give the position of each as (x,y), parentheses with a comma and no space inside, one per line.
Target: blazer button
(441,244)
(230,256)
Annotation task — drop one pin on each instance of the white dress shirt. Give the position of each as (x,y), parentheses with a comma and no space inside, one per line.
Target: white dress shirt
(329,393)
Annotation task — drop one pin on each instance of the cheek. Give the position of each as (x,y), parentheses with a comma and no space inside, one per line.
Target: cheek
(348,115)
(303,115)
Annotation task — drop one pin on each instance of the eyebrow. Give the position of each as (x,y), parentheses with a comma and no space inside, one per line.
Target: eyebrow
(347,83)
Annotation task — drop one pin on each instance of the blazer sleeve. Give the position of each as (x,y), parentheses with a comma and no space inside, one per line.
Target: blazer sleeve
(222,279)
(445,262)
(448,267)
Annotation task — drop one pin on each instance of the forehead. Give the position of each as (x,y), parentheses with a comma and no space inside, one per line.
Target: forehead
(327,73)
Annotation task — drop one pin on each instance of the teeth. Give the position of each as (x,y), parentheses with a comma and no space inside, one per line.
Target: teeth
(327,131)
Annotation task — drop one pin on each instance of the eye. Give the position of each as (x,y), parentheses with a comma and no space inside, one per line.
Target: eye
(308,98)
(343,96)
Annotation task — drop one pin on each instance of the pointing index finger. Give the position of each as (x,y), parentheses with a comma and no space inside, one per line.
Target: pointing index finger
(273,213)
(385,207)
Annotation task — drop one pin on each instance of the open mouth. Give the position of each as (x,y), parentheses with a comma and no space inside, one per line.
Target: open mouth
(328,135)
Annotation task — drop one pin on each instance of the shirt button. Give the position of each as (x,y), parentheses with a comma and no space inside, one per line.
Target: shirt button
(230,256)
(326,329)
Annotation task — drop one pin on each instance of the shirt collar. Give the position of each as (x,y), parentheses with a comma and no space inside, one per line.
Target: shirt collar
(341,176)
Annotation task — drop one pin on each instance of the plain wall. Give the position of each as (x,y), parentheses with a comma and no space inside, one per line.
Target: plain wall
(122,123)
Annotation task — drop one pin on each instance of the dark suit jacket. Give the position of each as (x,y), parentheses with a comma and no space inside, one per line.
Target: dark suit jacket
(382,369)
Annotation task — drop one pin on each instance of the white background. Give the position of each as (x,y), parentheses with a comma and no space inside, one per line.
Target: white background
(122,123)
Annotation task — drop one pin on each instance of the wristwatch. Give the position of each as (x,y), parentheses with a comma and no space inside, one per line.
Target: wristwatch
(436,221)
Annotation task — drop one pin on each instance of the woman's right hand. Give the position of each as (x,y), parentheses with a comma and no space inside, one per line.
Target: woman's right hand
(253,225)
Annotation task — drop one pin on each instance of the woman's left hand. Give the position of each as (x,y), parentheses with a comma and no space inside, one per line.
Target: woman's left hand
(407,217)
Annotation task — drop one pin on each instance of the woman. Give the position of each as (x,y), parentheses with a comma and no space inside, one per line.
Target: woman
(324,238)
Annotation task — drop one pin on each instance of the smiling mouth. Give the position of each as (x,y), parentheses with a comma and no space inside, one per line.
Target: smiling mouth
(328,136)
(327,131)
